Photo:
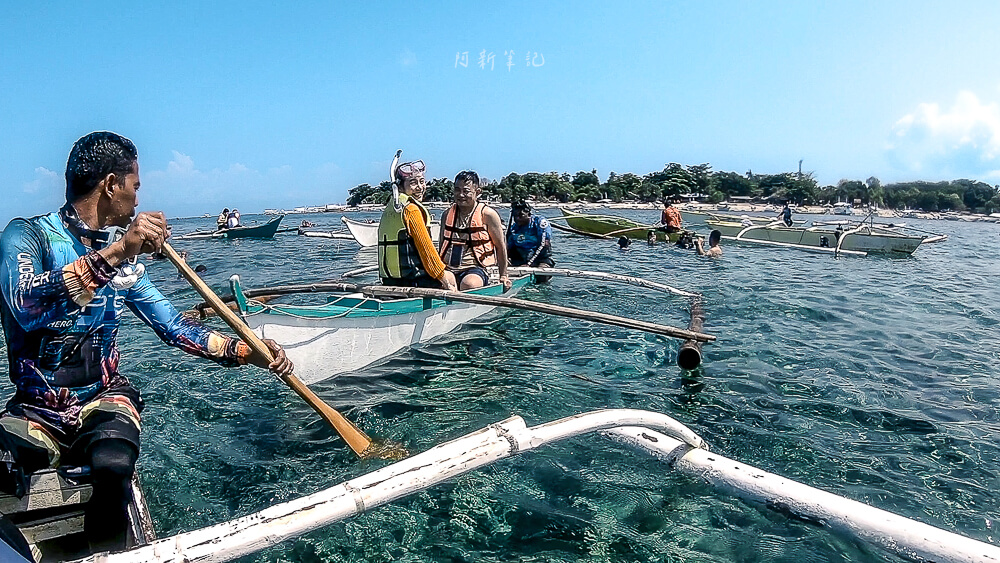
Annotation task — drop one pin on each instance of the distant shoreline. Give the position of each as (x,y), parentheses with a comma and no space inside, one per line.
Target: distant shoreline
(723,208)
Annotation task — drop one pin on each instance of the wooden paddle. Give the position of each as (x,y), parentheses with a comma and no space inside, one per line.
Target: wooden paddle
(355,438)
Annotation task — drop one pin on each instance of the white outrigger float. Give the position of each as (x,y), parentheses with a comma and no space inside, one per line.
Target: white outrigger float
(678,447)
(859,239)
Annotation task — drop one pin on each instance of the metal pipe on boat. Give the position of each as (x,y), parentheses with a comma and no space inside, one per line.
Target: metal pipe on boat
(689,355)
(806,247)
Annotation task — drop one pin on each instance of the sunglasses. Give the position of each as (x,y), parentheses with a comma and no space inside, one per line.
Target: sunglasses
(408,169)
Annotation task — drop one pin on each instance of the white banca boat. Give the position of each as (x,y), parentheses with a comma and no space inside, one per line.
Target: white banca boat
(352,331)
(861,238)
(367,233)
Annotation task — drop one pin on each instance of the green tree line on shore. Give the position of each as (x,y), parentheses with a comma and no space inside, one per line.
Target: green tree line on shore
(676,180)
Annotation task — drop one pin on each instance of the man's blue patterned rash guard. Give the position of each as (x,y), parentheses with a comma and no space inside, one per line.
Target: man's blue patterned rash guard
(60,320)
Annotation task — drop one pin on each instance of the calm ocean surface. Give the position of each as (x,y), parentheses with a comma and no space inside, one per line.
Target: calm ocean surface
(874,378)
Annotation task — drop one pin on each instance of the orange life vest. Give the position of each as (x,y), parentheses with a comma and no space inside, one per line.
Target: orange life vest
(456,240)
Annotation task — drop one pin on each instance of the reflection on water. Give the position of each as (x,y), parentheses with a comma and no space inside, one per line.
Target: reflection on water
(873,378)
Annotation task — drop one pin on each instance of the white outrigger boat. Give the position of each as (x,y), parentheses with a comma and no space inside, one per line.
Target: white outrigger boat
(658,435)
(860,239)
(353,331)
(367,233)
(371,323)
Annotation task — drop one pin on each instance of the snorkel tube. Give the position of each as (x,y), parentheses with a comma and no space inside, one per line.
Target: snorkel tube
(392,176)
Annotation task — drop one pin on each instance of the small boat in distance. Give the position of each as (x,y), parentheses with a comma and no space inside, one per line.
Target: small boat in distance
(842,208)
(860,239)
(267,230)
(611,226)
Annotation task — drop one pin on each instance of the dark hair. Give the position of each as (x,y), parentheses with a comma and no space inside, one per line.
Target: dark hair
(93,157)
(467,176)
(520,205)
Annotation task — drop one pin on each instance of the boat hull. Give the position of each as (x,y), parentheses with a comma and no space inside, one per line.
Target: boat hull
(367,233)
(609,225)
(353,332)
(267,230)
(50,516)
(865,241)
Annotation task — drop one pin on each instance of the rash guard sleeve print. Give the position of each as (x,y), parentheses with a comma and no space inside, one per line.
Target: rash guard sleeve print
(37,294)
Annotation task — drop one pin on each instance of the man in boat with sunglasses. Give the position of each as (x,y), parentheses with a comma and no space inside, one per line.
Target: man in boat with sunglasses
(66,278)
(406,253)
(472,238)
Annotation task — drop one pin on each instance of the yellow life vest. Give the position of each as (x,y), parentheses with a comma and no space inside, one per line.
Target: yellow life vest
(456,240)
(398,257)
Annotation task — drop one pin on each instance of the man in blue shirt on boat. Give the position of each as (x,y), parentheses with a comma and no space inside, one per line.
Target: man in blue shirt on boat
(66,278)
(529,239)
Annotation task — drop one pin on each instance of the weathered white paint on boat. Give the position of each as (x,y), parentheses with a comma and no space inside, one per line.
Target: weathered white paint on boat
(654,433)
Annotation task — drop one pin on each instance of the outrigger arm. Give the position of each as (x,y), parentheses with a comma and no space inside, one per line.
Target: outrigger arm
(653,433)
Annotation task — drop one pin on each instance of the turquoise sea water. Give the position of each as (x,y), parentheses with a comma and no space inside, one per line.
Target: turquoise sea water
(874,378)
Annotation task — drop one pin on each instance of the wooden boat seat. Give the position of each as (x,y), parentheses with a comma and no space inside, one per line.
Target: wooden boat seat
(50,516)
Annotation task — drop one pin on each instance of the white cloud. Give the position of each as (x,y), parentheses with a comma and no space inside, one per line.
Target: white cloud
(961,141)
(45,182)
(182,188)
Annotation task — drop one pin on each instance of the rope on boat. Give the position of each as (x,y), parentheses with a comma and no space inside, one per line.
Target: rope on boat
(652,433)
(265,308)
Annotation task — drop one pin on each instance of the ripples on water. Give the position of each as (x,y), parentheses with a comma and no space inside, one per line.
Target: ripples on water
(874,378)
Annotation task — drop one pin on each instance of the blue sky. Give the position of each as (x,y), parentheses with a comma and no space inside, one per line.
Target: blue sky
(263,104)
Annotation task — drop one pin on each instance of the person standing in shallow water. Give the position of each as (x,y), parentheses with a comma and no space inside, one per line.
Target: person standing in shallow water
(65,279)
(713,250)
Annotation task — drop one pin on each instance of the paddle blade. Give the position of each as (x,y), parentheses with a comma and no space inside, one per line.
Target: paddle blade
(389,450)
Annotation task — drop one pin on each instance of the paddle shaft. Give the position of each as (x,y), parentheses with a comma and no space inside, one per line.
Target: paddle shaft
(354,437)
(389,291)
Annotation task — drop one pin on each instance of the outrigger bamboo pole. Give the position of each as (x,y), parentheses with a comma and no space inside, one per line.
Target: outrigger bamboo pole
(355,438)
(604,276)
(656,434)
(510,302)
(689,356)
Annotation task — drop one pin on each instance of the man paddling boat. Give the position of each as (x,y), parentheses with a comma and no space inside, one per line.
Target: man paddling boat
(472,236)
(65,278)
(406,253)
